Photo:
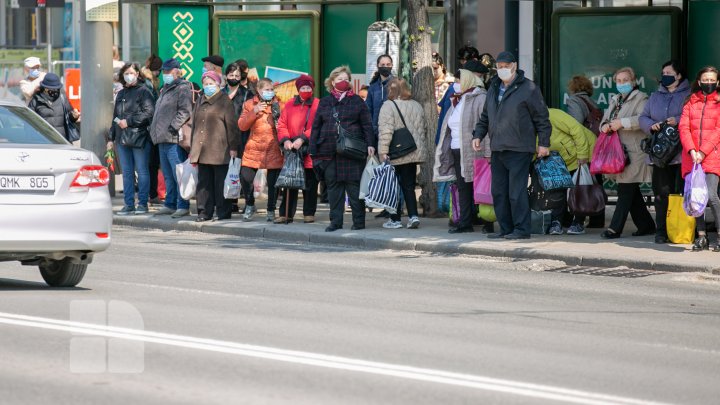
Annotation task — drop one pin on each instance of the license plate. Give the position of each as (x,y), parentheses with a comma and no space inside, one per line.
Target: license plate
(27,183)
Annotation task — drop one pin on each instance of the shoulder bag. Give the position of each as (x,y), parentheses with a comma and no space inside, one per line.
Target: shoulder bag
(349,145)
(402,142)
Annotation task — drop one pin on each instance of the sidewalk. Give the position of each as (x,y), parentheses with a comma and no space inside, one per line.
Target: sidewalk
(586,250)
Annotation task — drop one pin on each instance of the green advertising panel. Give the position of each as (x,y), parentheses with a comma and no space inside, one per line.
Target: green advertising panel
(702,47)
(182,33)
(345,36)
(596,42)
(279,43)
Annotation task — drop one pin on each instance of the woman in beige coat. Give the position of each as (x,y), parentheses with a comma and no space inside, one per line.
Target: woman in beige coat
(399,101)
(622,116)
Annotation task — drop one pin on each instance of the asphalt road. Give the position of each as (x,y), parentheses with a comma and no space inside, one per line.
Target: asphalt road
(200,319)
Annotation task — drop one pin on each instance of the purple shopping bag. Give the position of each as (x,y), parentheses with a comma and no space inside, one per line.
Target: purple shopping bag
(482,180)
(696,193)
(455,203)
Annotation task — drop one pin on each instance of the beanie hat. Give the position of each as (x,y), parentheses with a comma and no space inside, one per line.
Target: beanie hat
(304,80)
(213,75)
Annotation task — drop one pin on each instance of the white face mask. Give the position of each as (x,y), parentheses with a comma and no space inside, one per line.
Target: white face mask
(504,74)
(457,88)
(130,78)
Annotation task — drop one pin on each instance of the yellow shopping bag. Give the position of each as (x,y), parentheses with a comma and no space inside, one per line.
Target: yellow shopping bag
(680,226)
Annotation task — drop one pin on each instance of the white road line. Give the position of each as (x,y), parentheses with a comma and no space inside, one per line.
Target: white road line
(326,361)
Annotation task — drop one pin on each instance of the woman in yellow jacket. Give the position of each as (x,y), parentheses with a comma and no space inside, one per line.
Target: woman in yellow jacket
(574,143)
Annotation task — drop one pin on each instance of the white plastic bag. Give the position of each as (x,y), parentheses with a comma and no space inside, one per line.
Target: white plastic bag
(586,179)
(367,175)
(231,191)
(260,184)
(187,176)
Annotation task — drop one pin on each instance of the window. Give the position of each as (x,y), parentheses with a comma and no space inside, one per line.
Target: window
(20,125)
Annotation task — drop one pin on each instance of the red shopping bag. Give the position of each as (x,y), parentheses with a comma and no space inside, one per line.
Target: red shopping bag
(608,156)
(482,180)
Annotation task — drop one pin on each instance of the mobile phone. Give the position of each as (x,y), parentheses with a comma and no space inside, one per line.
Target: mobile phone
(117,120)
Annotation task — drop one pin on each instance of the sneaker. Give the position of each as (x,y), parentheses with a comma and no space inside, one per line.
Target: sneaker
(164,211)
(182,212)
(141,210)
(126,210)
(555,228)
(576,229)
(270,216)
(413,222)
(390,224)
(249,212)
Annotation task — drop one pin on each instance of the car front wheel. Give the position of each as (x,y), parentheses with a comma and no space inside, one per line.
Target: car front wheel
(62,273)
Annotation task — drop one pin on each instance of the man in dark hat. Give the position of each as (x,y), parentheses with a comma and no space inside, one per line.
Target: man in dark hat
(516,132)
(172,111)
(213,63)
(50,104)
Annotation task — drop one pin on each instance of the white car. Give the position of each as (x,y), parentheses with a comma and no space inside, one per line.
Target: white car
(55,208)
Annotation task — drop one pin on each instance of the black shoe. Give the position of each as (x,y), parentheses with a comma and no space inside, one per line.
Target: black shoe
(595,225)
(716,247)
(608,234)
(201,219)
(383,214)
(661,239)
(461,229)
(643,233)
(357,227)
(516,236)
(332,228)
(496,235)
(488,228)
(701,243)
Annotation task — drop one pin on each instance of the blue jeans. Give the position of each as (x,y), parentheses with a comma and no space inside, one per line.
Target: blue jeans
(172,154)
(134,160)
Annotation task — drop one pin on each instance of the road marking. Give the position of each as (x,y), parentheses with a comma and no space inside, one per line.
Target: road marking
(327,361)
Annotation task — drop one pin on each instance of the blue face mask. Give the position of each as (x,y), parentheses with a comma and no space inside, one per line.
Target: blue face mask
(35,73)
(624,88)
(210,90)
(204,70)
(168,78)
(268,95)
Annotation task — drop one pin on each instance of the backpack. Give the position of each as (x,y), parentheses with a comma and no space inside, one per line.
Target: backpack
(663,145)
(593,118)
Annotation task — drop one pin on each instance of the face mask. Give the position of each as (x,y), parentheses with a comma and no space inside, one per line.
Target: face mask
(233,82)
(53,94)
(667,80)
(204,70)
(385,71)
(708,88)
(168,78)
(342,86)
(130,79)
(504,74)
(457,88)
(268,95)
(35,73)
(305,95)
(243,75)
(624,88)
(210,90)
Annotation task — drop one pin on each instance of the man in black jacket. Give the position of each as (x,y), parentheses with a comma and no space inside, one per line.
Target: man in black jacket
(516,118)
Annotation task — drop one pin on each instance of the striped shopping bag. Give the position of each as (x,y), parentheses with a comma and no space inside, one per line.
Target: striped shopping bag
(383,190)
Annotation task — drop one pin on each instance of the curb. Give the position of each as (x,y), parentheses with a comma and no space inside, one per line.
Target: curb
(364,240)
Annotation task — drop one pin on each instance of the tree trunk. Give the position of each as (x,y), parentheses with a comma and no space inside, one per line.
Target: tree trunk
(423,89)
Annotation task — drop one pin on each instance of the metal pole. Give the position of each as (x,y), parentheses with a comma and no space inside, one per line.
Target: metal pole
(96,82)
(48,35)
(37,28)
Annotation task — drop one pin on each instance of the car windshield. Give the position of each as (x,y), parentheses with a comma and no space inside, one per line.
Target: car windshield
(21,126)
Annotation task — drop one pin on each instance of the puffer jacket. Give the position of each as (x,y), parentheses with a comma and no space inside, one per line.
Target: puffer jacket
(662,105)
(638,171)
(296,120)
(699,131)
(136,105)
(390,120)
(262,150)
(377,95)
(52,111)
(172,110)
(569,138)
(444,169)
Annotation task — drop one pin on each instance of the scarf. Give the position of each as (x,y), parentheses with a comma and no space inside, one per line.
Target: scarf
(455,98)
(468,82)
(340,95)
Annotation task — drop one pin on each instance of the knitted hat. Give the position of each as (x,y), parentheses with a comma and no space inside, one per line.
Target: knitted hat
(213,75)
(304,80)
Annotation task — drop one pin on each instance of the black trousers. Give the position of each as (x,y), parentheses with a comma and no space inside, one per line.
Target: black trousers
(713,203)
(665,181)
(247,176)
(630,201)
(406,175)
(154,166)
(510,171)
(310,197)
(210,194)
(326,171)
(465,193)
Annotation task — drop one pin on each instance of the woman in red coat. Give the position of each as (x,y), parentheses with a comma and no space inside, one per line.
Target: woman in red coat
(294,128)
(700,139)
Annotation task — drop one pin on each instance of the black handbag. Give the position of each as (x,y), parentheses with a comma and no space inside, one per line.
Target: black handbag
(542,200)
(402,142)
(663,145)
(349,145)
(72,133)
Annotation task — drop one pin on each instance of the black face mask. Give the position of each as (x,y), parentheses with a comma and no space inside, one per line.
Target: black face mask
(708,88)
(233,82)
(243,75)
(53,94)
(385,71)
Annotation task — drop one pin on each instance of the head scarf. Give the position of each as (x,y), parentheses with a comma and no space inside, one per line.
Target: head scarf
(468,82)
